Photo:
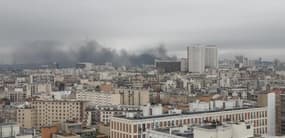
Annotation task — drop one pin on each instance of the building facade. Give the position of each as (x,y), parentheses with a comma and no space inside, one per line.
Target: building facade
(167,66)
(135,127)
(211,57)
(103,114)
(276,113)
(196,59)
(49,112)
(133,96)
(99,98)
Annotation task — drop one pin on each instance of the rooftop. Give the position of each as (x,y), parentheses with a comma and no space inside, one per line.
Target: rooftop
(187,113)
(188,131)
(7,124)
(182,132)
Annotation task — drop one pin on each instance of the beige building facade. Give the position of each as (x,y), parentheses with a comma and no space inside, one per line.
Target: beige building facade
(48,112)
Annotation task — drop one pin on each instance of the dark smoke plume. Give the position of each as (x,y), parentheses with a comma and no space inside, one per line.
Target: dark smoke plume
(46,52)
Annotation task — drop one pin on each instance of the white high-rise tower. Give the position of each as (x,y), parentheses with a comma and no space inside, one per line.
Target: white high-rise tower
(211,57)
(196,59)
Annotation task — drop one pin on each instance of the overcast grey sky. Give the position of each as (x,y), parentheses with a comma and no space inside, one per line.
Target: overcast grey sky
(250,27)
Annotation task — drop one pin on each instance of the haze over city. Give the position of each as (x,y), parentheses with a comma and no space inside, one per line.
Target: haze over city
(142,69)
(32,28)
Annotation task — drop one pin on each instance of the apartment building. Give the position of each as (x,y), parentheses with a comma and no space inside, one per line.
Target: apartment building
(116,97)
(136,126)
(211,57)
(133,96)
(196,59)
(103,114)
(26,117)
(38,88)
(276,113)
(167,66)
(42,78)
(48,112)
(99,98)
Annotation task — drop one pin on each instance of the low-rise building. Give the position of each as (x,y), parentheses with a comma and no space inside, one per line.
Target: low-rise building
(11,130)
(136,126)
(211,130)
(103,114)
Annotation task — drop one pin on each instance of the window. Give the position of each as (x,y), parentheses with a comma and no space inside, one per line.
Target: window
(135,128)
(248,127)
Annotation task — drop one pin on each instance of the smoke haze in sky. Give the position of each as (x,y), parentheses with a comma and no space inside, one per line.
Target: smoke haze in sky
(253,28)
(47,52)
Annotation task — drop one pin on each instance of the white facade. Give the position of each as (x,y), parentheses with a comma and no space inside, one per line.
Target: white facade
(103,114)
(215,105)
(174,111)
(271,103)
(9,130)
(60,95)
(135,127)
(228,130)
(149,110)
(236,130)
(211,57)
(196,59)
(199,106)
(99,98)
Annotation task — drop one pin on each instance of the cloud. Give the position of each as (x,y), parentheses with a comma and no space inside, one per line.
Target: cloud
(136,25)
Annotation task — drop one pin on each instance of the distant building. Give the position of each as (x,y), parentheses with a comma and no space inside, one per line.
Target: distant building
(167,66)
(99,98)
(39,88)
(196,59)
(106,87)
(103,114)
(215,105)
(184,65)
(85,65)
(211,57)
(17,96)
(152,110)
(42,78)
(262,99)
(133,96)
(115,97)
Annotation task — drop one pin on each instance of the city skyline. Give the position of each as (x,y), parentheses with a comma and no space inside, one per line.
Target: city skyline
(47,52)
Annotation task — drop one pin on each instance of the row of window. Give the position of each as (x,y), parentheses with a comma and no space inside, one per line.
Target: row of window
(234,117)
(57,103)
